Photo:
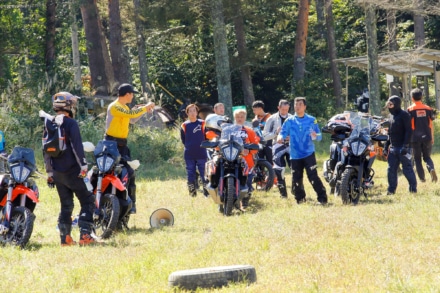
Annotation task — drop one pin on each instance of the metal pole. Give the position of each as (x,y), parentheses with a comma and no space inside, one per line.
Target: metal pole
(437,83)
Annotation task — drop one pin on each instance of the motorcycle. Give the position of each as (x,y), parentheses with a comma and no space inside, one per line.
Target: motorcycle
(18,198)
(109,180)
(353,174)
(227,171)
(264,174)
(339,126)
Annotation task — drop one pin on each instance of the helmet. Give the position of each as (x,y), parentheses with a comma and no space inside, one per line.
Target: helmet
(213,121)
(64,101)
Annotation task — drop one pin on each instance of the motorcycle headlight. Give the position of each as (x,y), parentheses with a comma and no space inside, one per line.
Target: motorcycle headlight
(20,173)
(104,163)
(358,147)
(230,152)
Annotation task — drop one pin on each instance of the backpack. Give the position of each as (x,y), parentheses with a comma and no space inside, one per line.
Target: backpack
(54,140)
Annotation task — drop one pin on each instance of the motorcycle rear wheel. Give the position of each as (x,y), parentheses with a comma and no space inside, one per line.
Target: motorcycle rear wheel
(349,190)
(109,215)
(229,198)
(21,226)
(264,176)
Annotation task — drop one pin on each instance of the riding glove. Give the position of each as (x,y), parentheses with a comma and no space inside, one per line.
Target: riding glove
(50,182)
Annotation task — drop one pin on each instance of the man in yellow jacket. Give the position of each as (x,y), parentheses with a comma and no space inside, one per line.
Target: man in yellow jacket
(119,117)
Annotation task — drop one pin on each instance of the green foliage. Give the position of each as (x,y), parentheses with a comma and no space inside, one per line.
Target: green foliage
(153,145)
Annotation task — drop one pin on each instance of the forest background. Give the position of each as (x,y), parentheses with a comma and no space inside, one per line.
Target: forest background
(234,52)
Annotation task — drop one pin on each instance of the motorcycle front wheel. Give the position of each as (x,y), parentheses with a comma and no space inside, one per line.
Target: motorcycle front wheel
(264,176)
(349,189)
(228,204)
(21,226)
(108,216)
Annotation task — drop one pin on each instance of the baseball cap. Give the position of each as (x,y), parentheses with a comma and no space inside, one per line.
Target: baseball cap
(126,88)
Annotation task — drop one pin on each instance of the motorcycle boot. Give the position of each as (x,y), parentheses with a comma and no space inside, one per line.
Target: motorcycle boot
(132,195)
(281,184)
(86,237)
(205,190)
(245,201)
(66,238)
(192,189)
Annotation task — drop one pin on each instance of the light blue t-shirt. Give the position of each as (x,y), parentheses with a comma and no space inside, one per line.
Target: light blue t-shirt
(299,129)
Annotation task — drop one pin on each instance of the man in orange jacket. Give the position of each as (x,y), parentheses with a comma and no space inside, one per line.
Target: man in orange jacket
(422,139)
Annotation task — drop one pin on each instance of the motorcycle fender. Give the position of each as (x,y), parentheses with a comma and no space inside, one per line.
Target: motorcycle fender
(19,189)
(229,175)
(115,181)
(352,167)
(214,194)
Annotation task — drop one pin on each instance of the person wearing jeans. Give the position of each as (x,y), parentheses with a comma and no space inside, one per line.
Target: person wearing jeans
(397,147)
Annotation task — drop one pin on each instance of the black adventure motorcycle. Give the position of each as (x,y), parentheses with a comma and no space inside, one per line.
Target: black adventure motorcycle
(353,174)
(227,171)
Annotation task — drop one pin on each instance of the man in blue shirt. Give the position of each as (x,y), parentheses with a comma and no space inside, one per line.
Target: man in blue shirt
(302,129)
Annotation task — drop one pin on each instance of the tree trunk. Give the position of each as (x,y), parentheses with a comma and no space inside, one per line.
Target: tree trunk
(332,53)
(51,6)
(419,35)
(393,86)
(221,56)
(99,60)
(120,62)
(373,64)
(299,56)
(419,25)
(246,79)
(320,15)
(75,50)
(140,42)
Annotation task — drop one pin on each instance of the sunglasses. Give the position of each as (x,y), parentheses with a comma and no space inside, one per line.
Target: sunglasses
(63,98)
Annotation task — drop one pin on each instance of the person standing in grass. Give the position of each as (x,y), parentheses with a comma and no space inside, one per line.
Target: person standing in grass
(280,151)
(397,148)
(261,117)
(303,129)
(67,171)
(422,138)
(119,117)
(192,133)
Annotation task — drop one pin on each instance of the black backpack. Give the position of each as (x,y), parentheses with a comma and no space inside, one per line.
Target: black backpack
(54,140)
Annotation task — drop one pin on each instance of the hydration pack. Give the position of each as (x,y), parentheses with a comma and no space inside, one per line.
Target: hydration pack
(54,141)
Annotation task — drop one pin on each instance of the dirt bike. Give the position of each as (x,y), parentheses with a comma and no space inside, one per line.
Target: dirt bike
(227,171)
(109,179)
(353,174)
(264,174)
(18,198)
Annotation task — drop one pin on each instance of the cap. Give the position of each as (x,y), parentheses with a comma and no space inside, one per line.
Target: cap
(126,88)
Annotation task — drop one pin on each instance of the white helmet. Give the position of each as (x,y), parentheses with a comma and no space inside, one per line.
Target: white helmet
(64,101)
(213,121)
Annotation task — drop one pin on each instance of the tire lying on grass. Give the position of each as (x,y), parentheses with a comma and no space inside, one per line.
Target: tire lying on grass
(212,277)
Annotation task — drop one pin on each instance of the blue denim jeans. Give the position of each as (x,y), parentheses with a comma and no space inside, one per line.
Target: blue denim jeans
(395,158)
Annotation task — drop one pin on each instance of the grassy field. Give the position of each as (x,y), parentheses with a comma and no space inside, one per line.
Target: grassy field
(384,244)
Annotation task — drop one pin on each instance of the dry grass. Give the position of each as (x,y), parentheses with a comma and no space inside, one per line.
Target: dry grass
(385,244)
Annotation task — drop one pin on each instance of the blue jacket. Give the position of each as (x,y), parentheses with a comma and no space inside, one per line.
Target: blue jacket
(192,134)
(299,129)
